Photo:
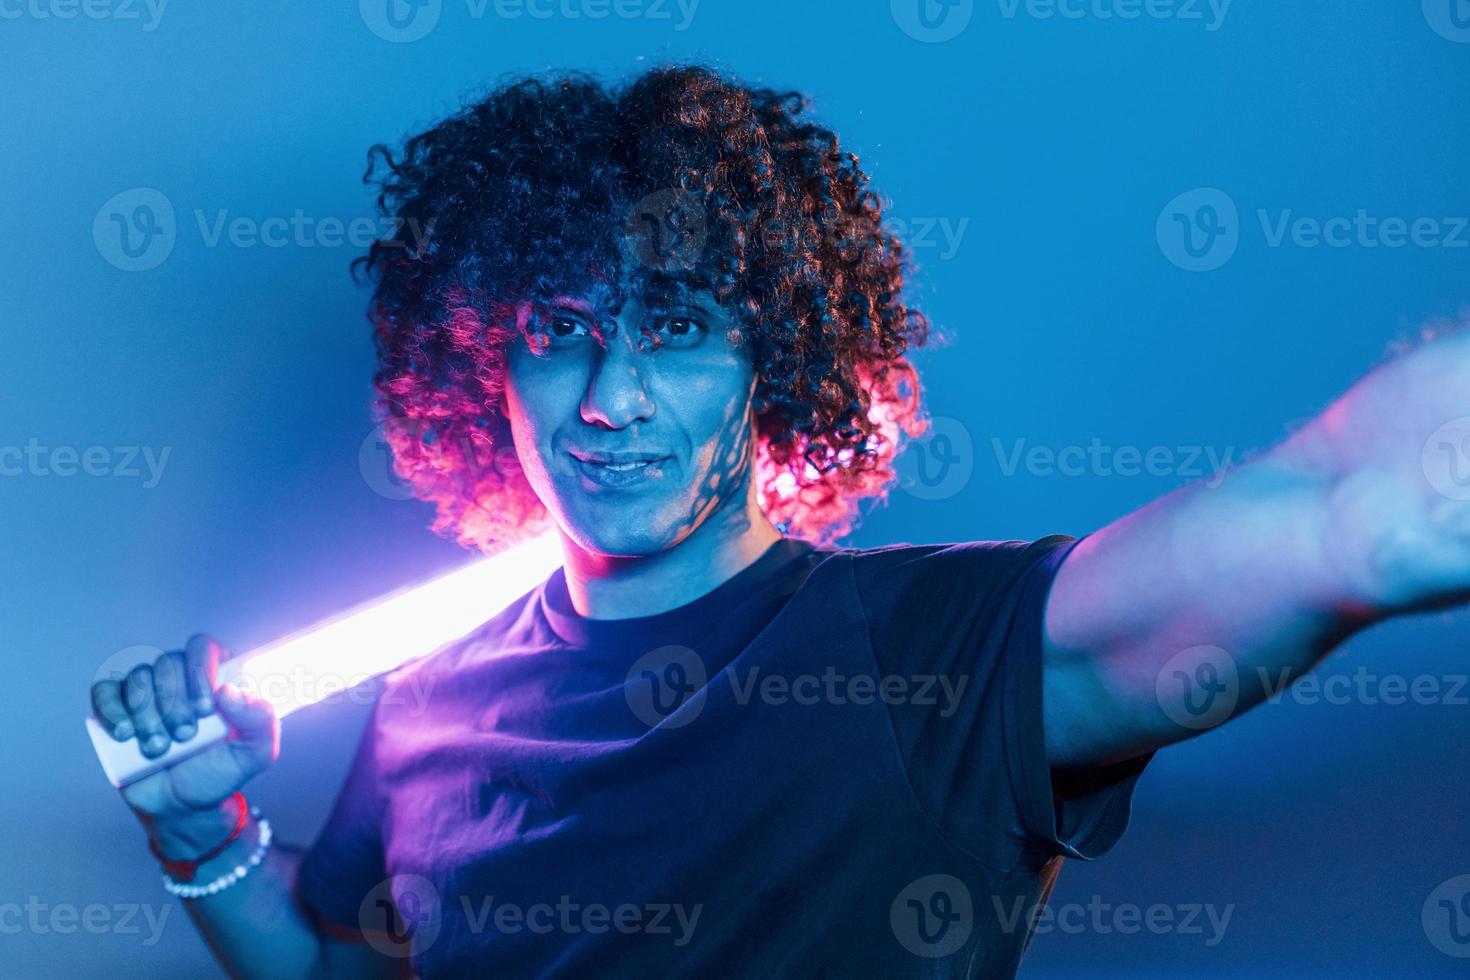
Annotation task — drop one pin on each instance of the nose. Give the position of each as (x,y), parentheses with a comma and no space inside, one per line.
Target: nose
(617,393)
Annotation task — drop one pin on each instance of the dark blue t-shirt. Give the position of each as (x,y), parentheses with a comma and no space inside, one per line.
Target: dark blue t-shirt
(831,764)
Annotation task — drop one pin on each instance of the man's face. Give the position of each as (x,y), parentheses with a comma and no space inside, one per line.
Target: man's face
(631,446)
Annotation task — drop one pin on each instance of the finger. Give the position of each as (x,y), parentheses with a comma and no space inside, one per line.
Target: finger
(138,696)
(107,705)
(170,693)
(201,660)
(256,732)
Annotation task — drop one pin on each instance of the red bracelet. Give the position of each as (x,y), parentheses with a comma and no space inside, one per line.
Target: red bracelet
(187,869)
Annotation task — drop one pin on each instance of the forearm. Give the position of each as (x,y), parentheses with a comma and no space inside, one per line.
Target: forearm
(256,927)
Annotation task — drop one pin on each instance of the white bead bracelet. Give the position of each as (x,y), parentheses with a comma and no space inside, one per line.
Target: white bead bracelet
(230,877)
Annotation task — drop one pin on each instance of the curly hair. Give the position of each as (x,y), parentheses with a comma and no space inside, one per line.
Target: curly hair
(676,181)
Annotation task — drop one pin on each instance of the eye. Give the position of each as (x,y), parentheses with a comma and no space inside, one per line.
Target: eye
(562,325)
(679,330)
(560,328)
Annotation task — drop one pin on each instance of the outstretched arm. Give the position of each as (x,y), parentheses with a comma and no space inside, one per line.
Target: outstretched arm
(1185,613)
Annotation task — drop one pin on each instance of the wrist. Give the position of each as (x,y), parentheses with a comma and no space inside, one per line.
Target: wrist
(233,855)
(186,835)
(223,866)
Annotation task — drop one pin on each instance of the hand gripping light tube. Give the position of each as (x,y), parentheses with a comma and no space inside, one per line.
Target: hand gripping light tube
(364,642)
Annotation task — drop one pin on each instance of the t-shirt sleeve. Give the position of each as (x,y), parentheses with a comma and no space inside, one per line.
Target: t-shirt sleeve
(347,860)
(965,620)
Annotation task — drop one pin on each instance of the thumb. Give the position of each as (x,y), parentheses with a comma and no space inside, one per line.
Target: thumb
(255,730)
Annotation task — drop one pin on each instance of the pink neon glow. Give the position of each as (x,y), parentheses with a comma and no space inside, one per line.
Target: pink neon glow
(388,632)
(353,647)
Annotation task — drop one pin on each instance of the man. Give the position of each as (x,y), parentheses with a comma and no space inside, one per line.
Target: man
(667,322)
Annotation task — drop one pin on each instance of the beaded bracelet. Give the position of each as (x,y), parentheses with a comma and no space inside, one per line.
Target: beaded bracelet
(230,877)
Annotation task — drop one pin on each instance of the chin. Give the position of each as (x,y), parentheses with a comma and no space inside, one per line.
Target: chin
(620,535)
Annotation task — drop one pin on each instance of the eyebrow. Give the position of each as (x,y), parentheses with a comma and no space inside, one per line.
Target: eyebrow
(700,302)
(573,303)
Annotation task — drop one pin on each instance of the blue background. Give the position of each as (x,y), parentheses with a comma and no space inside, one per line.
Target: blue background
(1058,142)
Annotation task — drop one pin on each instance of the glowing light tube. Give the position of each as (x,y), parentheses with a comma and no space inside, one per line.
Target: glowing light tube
(353,647)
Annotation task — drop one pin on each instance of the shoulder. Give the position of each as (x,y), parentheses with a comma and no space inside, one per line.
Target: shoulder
(893,567)
(515,623)
(913,592)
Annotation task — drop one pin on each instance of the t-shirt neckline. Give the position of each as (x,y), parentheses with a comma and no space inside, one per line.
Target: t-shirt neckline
(681,624)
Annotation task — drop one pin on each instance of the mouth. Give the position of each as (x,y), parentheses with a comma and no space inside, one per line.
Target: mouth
(617,470)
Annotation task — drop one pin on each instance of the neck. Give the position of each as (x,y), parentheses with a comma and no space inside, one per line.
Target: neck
(727,542)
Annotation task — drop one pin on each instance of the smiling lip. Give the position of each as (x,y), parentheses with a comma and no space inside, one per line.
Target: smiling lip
(619,470)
